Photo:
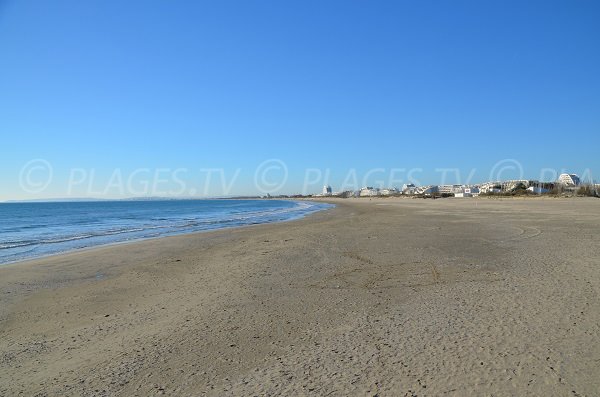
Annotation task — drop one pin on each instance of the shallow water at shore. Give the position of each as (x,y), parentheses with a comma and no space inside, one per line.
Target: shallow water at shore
(30,230)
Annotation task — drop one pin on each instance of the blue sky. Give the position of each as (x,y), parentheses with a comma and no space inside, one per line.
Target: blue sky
(106,88)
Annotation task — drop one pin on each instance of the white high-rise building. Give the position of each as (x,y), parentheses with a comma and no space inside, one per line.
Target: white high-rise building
(327,190)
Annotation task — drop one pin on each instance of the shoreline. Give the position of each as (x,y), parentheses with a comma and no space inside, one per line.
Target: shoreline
(141,239)
(422,297)
(327,200)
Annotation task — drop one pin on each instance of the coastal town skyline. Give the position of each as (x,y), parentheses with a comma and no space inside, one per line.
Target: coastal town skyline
(270,178)
(564,183)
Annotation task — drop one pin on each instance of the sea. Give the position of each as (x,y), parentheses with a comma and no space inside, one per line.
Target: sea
(35,229)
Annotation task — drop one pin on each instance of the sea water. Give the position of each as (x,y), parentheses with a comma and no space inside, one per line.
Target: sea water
(30,230)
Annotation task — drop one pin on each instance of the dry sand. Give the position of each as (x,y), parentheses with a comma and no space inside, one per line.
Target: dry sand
(390,297)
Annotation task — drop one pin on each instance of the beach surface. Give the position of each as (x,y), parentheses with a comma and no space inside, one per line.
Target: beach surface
(387,297)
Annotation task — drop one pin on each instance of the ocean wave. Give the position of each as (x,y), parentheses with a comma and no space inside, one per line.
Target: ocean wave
(15,244)
(58,238)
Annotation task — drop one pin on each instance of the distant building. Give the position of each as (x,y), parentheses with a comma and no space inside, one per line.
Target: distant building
(569,180)
(368,192)
(505,186)
(408,188)
(450,189)
(344,194)
(537,190)
(388,191)
(491,187)
(327,190)
(467,192)
(426,190)
(512,185)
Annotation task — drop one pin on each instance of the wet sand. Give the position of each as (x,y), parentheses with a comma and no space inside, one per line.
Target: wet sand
(387,297)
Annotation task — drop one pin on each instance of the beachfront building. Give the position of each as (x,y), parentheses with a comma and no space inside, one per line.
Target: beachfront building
(408,188)
(344,194)
(537,190)
(327,190)
(389,191)
(569,180)
(512,185)
(490,188)
(538,187)
(467,192)
(369,192)
(450,189)
(532,186)
(426,190)
(504,186)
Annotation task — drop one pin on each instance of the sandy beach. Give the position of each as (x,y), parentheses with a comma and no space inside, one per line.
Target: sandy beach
(390,297)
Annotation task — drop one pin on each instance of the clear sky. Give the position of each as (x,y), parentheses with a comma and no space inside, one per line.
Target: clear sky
(100,89)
